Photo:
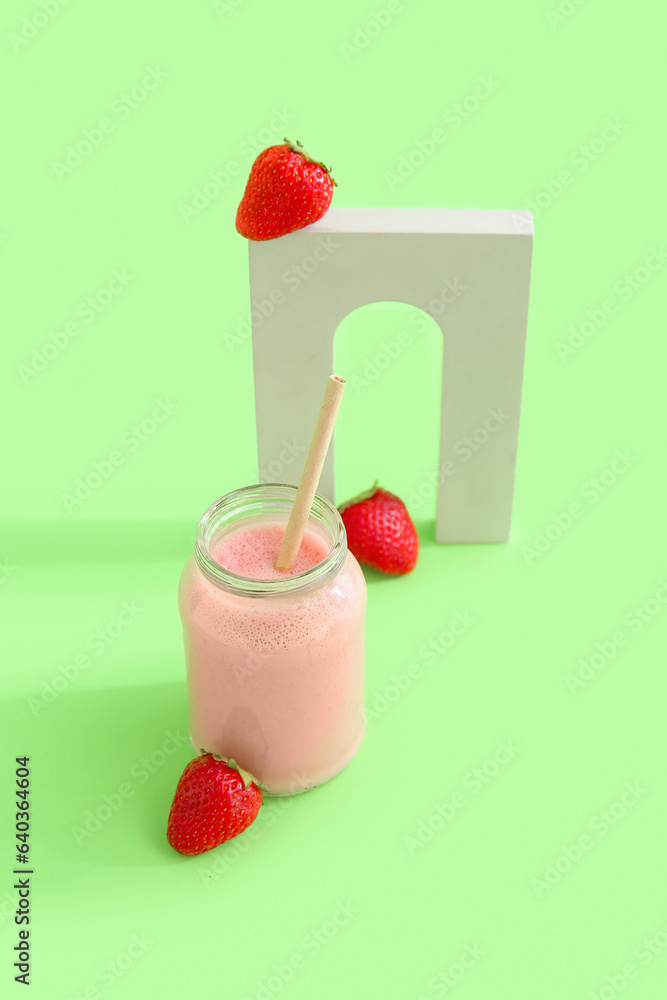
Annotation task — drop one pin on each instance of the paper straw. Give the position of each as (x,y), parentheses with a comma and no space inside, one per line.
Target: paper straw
(310,476)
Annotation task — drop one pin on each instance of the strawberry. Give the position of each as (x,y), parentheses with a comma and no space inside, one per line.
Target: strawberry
(380,532)
(213,802)
(286,190)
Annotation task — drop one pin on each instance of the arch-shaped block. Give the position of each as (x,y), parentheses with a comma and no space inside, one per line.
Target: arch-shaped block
(475,265)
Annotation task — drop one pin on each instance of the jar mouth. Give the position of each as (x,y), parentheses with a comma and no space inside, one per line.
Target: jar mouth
(252,504)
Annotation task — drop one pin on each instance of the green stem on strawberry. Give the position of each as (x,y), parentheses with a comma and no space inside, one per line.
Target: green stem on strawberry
(366,495)
(248,778)
(296,147)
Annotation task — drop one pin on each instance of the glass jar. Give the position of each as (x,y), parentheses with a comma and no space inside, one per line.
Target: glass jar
(275,667)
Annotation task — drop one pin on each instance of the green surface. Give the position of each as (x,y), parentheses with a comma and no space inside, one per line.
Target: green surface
(335,894)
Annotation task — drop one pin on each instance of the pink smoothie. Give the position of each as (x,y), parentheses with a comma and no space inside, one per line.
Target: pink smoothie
(254,550)
(275,681)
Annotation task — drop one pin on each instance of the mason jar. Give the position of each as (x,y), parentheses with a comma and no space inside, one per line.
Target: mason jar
(275,667)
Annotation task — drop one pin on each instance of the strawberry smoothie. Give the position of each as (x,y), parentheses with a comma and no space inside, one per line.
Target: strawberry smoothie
(275,660)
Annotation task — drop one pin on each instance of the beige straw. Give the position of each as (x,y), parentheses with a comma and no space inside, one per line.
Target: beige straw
(310,476)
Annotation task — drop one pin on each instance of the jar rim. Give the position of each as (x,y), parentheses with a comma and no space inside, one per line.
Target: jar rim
(249,501)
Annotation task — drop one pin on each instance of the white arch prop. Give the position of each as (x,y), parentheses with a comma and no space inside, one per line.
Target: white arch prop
(303,285)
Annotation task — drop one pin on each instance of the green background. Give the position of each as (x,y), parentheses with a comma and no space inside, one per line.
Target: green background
(113,731)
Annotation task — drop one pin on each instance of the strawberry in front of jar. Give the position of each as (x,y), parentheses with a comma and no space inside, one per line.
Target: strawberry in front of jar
(214,801)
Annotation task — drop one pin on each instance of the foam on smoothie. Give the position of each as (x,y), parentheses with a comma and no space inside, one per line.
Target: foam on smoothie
(252,551)
(277,623)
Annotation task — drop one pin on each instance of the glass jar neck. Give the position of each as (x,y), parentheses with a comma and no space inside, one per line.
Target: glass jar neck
(254,505)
